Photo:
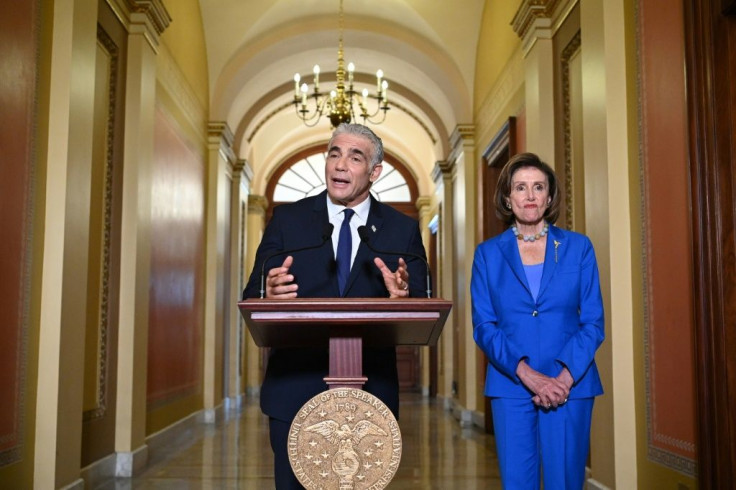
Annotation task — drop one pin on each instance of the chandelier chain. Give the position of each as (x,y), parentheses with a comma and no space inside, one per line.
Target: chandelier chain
(338,104)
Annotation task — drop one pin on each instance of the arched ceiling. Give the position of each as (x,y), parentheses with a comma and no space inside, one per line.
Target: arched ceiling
(427,50)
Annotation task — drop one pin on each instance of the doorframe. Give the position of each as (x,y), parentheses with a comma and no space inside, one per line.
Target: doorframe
(710,68)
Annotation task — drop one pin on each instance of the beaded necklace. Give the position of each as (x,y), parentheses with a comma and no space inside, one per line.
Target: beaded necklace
(530,238)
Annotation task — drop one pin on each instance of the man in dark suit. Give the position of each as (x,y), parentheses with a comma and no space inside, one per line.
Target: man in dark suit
(295,375)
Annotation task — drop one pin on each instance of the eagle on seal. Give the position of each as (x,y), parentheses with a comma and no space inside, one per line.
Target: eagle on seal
(346,461)
(335,433)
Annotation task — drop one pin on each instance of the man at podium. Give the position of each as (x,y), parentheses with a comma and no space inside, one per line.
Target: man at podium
(295,259)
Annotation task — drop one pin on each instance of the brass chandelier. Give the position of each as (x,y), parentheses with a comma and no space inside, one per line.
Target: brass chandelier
(339,104)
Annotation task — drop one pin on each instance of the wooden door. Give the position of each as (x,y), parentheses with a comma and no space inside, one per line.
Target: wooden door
(495,156)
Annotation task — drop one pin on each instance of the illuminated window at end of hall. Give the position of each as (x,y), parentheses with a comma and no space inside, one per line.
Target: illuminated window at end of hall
(307,178)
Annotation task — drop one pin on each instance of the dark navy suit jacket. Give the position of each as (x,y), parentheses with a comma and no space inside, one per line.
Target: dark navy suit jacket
(294,375)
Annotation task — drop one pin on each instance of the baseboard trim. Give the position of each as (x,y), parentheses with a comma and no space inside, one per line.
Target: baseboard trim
(77,485)
(130,464)
(591,484)
(234,402)
(181,433)
(462,414)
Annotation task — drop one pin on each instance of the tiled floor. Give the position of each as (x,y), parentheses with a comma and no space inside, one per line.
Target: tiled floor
(235,454)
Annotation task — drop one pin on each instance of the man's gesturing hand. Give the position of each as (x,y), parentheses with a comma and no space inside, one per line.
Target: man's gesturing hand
(279,283)
(397,283)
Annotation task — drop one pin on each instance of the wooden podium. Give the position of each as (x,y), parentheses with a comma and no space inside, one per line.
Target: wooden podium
(329,429)
(345,324)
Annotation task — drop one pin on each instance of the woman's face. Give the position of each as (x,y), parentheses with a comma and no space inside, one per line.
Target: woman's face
(529,196)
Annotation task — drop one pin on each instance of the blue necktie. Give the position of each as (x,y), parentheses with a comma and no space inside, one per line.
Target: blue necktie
(344,250)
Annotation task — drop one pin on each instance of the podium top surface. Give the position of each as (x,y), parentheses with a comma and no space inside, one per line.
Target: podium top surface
(313,321)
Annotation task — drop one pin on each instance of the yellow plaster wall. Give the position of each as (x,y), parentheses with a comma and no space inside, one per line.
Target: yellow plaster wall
(499,73)
(497,44)
(184,38)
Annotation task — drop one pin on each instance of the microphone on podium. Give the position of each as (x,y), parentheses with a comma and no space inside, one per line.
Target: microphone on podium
(326,235)
(366,238)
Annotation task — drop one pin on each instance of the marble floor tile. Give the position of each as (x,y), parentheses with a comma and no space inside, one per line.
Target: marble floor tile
(235,454)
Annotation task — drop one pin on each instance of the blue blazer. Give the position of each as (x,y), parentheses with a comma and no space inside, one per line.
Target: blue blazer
(563,327)
(294,375)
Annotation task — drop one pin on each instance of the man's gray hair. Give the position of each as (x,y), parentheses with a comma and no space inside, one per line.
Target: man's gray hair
(364,131)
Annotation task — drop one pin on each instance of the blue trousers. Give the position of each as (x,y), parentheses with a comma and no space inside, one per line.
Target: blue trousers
(536,444)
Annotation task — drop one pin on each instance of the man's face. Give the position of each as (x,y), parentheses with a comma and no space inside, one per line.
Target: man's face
(348,171)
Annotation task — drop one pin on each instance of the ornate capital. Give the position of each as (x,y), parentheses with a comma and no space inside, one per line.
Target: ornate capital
(442,169)
(219,135)
(154,11)
(423,204)
(461,134)
(540,19)
(220,129)
(462,137)
(257,204)
(147,17)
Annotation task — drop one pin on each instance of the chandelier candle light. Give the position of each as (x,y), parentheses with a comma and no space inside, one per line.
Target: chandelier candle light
(339,105)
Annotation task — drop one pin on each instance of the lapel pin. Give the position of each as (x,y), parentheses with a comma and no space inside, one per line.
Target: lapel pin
(373,227)
(557,244)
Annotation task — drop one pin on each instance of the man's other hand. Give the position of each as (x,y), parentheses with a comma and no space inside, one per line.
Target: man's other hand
(279,283)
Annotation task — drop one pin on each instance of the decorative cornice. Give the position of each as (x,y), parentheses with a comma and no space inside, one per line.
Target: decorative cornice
(462,132)
(148,17)
(540,19)
(220,129)
(529,12)
(154,11)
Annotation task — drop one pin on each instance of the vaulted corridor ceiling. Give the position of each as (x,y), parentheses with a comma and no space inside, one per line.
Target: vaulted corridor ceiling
(427,51)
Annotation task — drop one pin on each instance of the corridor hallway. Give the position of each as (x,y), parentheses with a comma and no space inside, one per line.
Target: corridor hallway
(234,453)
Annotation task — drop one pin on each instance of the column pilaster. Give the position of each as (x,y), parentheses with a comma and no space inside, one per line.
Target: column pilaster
(256,222)
(145,21)
(443,177)
(462,154)
(217,334)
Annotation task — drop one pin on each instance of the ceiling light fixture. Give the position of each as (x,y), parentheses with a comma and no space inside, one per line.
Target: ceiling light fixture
(339,104)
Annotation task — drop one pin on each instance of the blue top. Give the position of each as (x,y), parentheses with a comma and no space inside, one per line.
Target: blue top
(534,277)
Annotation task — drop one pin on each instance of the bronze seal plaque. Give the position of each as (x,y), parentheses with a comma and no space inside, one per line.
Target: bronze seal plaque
(344,438)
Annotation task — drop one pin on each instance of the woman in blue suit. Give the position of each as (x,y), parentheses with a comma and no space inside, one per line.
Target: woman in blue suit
(538,316)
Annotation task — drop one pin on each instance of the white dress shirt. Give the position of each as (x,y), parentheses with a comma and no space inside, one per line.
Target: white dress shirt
(360,218)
